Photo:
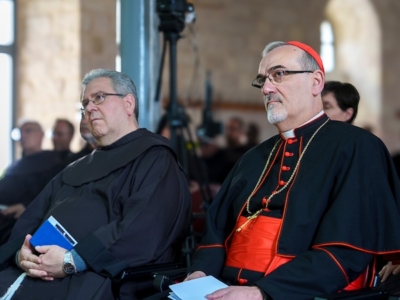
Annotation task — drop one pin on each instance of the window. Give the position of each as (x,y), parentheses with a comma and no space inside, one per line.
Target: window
(327,46)
(7,37)
(118,35)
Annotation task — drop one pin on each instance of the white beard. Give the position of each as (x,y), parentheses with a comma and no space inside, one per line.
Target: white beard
(276,112)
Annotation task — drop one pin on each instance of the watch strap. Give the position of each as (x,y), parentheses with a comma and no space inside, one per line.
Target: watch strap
(68,265)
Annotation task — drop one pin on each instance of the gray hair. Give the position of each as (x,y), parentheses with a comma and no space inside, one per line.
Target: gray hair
(307,62)
(121,83)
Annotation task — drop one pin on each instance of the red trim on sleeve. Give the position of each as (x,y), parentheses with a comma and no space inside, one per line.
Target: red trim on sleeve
(337,262)
(397,252)
(210,246)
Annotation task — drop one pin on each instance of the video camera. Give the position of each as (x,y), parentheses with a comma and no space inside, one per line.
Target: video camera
(174,14)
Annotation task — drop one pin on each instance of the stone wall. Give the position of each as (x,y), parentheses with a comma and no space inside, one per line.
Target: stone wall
(388,11)
(60,40)
(230,36)
(97,35)
(48,61)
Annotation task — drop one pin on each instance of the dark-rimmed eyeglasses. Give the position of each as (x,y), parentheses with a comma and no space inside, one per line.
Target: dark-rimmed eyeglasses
(97,99)
(275,77)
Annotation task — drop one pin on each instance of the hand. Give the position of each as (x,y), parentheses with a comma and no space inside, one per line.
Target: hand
(237,293)
(30,262)
(52,260)
(195,275)
(388,270)
(16,210)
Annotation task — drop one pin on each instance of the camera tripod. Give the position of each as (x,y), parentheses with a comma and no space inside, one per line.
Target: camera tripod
(172,23)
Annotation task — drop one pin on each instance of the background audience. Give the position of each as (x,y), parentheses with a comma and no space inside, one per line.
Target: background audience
(25,178)
(340,101)
(63,132)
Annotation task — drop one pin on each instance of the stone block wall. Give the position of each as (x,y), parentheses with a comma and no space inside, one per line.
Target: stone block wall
(388,11)
(60,40)
(48,61)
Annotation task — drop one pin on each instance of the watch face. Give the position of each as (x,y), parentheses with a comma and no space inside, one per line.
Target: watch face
(68,268)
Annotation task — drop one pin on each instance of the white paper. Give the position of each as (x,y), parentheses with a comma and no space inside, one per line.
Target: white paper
(196,289)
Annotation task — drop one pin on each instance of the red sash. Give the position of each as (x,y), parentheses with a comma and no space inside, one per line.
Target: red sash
(254,248)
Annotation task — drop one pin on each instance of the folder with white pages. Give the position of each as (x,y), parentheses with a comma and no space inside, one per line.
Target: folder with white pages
(195,289)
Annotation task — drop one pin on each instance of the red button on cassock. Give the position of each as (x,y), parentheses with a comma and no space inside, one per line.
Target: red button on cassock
(284,168)
(287,154)
(282,182)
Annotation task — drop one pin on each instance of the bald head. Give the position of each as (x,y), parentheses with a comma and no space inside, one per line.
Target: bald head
(31,137)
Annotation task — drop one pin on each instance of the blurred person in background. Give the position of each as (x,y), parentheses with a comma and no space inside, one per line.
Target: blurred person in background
(340,101)
(26,177)
(236,140)
(63,132)
(253,133)
(90,141)
(31,137)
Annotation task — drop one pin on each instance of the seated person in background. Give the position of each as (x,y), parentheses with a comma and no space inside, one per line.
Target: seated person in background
(25,178)
(90,142)
(305,212)
(236,140)
(253,133)
(127,204)
(63,132)
(90,145)
(340,101)
(31,137)
(214,157)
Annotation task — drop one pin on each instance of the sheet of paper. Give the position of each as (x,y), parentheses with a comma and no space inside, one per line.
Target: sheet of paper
(196,289)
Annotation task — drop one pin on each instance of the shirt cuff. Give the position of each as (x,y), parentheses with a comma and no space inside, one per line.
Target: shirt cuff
(80,264)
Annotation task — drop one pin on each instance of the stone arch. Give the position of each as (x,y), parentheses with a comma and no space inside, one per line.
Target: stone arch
(358,55)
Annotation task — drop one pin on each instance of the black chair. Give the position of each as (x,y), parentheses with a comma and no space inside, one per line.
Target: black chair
(150,279)
(147,280)
(388,290)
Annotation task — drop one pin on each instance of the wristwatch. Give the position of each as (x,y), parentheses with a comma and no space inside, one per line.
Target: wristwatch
(68,265)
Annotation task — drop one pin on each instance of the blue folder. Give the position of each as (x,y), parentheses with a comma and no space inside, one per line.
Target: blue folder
(51,232)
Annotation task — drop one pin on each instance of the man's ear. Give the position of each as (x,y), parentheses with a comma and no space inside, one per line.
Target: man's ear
(349,113)
(129,104)
(318,82)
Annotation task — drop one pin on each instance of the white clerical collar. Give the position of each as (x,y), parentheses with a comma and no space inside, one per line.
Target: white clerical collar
(290,133)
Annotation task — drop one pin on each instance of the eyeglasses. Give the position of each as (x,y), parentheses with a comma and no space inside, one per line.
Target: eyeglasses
(97,99)
(275,77)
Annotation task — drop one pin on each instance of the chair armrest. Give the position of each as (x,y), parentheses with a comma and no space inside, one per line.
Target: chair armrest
(363,294)
(388,290)
(149,271)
